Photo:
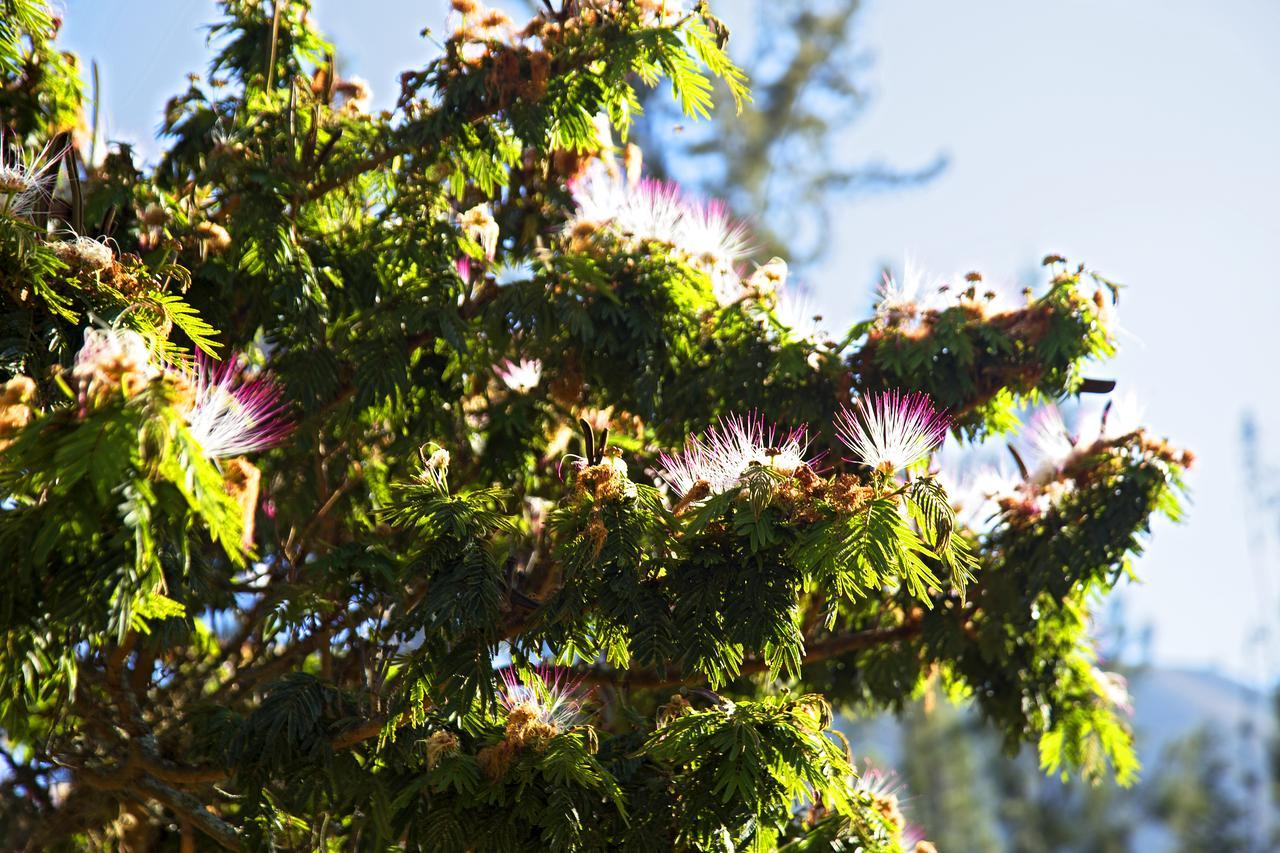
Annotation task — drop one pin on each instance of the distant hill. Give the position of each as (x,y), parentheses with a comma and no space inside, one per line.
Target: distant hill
(1173,703)
(1169,705)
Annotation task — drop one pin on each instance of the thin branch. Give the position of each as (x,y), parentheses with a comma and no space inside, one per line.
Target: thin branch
(191,809)
(834,646)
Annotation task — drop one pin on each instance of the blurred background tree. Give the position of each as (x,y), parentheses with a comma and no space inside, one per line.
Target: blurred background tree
(791,153)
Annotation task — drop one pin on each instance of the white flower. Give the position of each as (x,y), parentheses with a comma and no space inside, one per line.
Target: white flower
(113,359)
(546,695)
(725,452)
(769,277)
(479,225)
(903,299)
(84,253)
(232,415)
(795,311)
(880,784)
(1122,415)
(975,494)
(520,376)
(891,431)
(710,237)
(438,460)
(25,181)
(642,211)
(700,233)
(1049,443)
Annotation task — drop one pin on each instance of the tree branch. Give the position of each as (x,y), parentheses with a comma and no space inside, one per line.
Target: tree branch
(833,646)
(189,808)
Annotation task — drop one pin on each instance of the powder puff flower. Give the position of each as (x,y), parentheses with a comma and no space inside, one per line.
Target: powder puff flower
(879,783)
(233,415)
(540,705)
(723,454)
(795,311)
(113,359)
(975,494)
(478,224)
(710,238)
(701,233)
(904,299)
(84,253)
(1048,444)
(901,298)
(24,182)
(1122,415)
(645,210)
(886,792)
(891,431)
(520,376)
(770,277)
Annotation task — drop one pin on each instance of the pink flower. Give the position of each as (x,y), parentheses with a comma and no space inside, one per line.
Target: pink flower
(233,415)
(548,694)
(723,454)
(520,376)
(891,431)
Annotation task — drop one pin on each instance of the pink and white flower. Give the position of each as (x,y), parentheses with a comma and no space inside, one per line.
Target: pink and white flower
(703,234)
(234,415)
(891,431)
(880,784)
(722,455)
(548,694)
(113,359)
(520,376)
(1048,443)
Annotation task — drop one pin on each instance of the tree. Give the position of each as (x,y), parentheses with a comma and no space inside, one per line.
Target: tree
(942,767)
(1197,797)
(413,479)
(783,156)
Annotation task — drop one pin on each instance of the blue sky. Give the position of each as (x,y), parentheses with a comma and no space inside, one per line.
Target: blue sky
(1140,137)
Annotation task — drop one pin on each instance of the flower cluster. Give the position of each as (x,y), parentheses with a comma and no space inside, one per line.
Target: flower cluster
(889,432)
(715,462)
(228,413)
(906,299)
(647,211)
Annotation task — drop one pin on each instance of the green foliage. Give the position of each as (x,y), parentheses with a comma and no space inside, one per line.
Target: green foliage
(330,641)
